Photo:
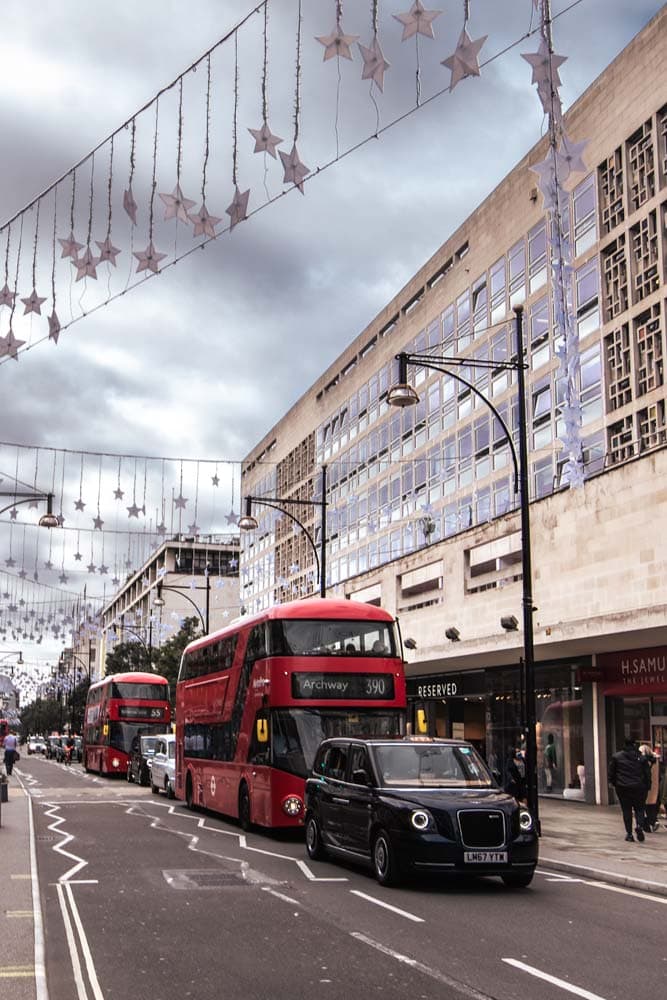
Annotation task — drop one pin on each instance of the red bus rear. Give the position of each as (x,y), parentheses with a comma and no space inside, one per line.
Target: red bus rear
(254,701)
(120,708)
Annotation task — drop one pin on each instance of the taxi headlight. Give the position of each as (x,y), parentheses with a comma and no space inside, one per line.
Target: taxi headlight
(292,805)
(525,821)
(115,762)
(421,820)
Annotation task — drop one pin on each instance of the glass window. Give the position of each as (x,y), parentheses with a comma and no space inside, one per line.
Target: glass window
(585,227)
(537,256)
(498,303)
(517,273)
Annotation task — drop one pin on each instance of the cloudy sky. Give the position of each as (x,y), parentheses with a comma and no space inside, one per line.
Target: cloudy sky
(199,361)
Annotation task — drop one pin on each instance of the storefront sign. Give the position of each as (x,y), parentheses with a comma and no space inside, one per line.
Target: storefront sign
(634,671)
(424,690)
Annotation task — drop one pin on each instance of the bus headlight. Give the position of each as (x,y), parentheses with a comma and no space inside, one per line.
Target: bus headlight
(115,762)
(421,820)
(292,805)
(525,821)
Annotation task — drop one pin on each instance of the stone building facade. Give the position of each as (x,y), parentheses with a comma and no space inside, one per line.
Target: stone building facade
(421,511)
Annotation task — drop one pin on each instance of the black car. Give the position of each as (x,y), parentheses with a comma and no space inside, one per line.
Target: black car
(53,747)
(413,806)
(141,756)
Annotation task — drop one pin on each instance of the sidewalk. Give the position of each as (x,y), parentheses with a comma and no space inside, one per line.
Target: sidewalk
(589,841)
(17,938)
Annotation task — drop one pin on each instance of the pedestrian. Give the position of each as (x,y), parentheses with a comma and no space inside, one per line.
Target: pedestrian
(652,799)
(10,751)
(516,775)
(550,762)
(630,777)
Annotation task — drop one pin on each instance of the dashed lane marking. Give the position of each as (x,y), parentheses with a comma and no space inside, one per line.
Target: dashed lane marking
(19,913)
(17,971)
(578,991)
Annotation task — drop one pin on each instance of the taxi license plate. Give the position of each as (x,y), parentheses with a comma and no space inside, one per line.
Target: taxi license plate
(485,857)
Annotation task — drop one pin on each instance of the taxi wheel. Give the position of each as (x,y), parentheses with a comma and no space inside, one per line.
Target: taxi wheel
(314,846)
(129,776)
(517,880)
(385,865)
(168,790)
(244,807)
(154,788)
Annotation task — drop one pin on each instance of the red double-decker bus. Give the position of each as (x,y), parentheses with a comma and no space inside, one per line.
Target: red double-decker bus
(254,700)
(119,708)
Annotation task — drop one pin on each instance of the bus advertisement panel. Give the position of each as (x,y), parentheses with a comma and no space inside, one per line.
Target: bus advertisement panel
(119,708)
(254,701)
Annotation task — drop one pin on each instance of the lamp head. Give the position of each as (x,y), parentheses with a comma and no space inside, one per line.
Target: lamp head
(452,633)
(410,643)
(509,623)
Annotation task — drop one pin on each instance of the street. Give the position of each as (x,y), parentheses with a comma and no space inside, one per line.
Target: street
(141,897)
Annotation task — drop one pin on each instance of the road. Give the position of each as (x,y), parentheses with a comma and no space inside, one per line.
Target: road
(142,898)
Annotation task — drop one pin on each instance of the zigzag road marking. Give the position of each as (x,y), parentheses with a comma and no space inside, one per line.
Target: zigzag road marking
(60,847)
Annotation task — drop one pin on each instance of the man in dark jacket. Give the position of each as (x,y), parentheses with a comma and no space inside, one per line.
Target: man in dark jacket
(630,775)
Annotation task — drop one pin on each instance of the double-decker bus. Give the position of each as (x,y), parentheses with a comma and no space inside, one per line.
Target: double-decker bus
(255,699)
(119,708)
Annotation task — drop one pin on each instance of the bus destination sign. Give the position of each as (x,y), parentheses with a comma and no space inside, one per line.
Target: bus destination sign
(139,712)
(343,687)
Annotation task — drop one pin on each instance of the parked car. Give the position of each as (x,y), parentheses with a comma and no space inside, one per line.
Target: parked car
(53,745)
(141,759)
(36,745)
(416,805)
(163,768)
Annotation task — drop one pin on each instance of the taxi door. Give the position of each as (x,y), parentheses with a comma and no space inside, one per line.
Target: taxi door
(333,795)
(359,807)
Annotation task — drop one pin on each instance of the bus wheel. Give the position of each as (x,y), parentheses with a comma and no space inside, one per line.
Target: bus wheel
(314,844)
(244,807)
(189,794)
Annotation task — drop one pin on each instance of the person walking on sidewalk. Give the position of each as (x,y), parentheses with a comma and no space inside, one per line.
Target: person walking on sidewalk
(652,801)
(629,773)
(10,751)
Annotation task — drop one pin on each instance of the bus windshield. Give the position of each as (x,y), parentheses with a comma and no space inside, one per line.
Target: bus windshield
(146,692)
(297,732)
(331,637)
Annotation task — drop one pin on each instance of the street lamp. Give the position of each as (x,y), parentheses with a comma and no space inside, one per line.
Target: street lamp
(249,523)
(158,601)
(48,520)
(13,652)
(67,657)
(148,649)
(403,394)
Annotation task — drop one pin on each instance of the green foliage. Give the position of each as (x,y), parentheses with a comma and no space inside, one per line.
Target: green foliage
(128,656)
(168,658)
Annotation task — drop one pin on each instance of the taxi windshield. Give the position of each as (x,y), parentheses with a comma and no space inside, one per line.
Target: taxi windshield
(434,766)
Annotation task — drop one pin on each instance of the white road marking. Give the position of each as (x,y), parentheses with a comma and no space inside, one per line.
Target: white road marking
(41,990)
(554,980)
(387,906)
(316,878)
(280,895)
(462,988)
(59,848)
(609,886)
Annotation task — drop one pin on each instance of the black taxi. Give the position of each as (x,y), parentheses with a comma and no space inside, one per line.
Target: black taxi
(416,805)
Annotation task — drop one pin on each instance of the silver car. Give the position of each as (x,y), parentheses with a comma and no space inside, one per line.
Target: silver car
(163,768)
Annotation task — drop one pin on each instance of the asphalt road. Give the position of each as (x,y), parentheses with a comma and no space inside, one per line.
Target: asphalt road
(142,898)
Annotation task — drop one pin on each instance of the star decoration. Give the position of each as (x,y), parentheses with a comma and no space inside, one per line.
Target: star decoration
(118,493)
(545,65)
(464,61)
(79,504)
(177,204)
(232,518)
(103,570)
(33,304)
(547,183)
(180,502)
(203,222)
(98,522)
(91,567)
(70,246)
(13,513)
(238,210)
(22,574)
(85,265)
(161,529)
(337,43)
(569,159)
(193,529)
(10,345)
(78,557)
(133,511)
(63,578)
(54,327)
(130,205)
(550,101)
(417,21)
(48,564)
(108,252)
(115,581)
(375,63)
(215,480)
(7,297)
(149,259)
(295,170)
(265,140)
(10,562)
(60,519)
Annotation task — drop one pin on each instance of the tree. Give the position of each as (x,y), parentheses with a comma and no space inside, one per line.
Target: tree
(127,657)
(168,658)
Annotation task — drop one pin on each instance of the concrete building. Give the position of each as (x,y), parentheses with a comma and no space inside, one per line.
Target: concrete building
(421,511)
(183,578)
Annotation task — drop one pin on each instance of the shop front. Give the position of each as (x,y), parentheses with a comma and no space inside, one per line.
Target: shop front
(487,708)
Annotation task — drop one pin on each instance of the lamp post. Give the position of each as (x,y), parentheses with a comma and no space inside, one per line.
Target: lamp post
(249,523)
(158,601)
(403,394)
(48,520)
(148,648)
(67,657)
